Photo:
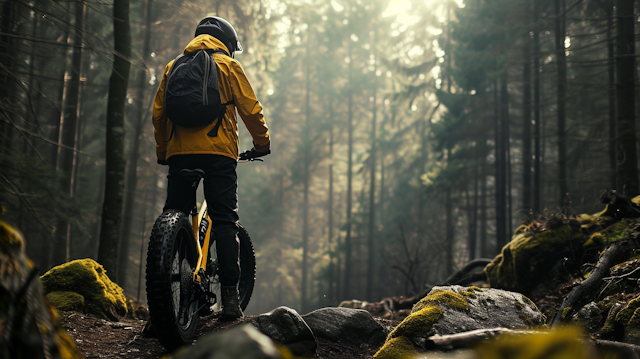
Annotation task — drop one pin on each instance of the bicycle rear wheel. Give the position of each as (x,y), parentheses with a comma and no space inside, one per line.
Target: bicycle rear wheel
(247,267)
(171,259)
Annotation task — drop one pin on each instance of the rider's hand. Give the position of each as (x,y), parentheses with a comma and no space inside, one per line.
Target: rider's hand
(252,153)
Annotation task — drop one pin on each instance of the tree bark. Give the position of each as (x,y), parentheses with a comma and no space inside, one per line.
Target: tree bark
(372,188)
(484,245)
(611,70)
(306,146)
(627,162)
(7,84)
(537,164)
(527,183)
(346,293)
(132,171)
(332,270)
(69,134)
(450,230)
(472,216)
(111,223)
(501,162)
(561,63)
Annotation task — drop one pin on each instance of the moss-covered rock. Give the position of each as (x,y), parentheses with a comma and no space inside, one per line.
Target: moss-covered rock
(613,233)
(66,301)
(629,319)
(86,277)
(525,261)
(456,309)
(29,326)
(397,348)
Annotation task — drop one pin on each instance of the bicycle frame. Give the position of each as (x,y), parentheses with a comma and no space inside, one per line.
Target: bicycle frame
(204,250)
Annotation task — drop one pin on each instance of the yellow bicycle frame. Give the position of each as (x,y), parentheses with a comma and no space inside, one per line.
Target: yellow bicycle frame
(204,250)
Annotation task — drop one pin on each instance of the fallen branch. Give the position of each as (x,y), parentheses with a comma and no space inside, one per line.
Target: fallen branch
(604,348)
(589,284)
(470,338)
(463,272)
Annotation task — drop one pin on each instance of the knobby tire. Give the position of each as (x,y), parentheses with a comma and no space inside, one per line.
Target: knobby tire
(171,233)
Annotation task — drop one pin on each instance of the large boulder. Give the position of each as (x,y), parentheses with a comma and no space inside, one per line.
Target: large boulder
(87,278)
(241,342)
(524,262)
(456,309)
(354,326)
(285,326)
(29,327)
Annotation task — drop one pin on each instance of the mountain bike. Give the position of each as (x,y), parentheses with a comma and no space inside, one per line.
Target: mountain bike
(182,269)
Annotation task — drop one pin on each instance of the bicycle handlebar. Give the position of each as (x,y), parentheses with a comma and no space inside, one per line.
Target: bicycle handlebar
(252,155)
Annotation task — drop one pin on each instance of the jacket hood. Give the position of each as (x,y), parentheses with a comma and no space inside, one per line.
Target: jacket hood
(203,42)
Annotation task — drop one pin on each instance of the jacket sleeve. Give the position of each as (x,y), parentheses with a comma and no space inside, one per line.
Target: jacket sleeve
(249,107)
(159,118)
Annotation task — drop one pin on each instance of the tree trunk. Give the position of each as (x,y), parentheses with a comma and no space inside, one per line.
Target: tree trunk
(306,147)
(627,162)
(332,249)
(132,171)
(372,190)
(527,183)
(69,134)
(484,245)
(501,166)
(611,70)
(450,230)
(537,168)
(561,62)
(110,228)
(346,293)
(472,216)
(9,13)
(143,233)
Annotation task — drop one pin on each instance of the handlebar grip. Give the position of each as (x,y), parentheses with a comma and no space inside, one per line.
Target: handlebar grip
(249,155)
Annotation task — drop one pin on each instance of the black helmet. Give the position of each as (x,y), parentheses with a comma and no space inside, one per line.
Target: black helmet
(222,30)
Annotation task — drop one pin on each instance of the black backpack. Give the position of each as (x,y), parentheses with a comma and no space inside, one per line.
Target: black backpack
(192,96)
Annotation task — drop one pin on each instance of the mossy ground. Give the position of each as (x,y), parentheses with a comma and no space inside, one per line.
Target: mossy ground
(564,343)
(89,279)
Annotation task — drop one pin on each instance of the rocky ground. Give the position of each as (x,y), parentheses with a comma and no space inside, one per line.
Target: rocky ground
(98,338)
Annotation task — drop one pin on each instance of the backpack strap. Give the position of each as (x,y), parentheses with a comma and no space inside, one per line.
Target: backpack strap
(214,130)
(216,51)
(223,112)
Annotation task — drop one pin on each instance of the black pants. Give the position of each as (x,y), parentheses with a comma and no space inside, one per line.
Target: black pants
(221,193)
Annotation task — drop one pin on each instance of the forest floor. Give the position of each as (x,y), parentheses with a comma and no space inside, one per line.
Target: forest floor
(98,338)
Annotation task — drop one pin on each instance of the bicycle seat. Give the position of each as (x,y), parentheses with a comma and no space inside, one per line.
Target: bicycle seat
(193,174)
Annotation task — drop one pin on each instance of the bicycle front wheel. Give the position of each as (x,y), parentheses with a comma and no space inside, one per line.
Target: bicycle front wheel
(171,259)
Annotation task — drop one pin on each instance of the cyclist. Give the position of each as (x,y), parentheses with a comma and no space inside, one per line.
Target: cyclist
(217,154)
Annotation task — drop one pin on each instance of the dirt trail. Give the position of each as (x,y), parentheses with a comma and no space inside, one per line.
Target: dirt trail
(98,338)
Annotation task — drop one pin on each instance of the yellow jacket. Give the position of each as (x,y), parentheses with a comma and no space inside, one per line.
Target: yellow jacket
(233,84)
